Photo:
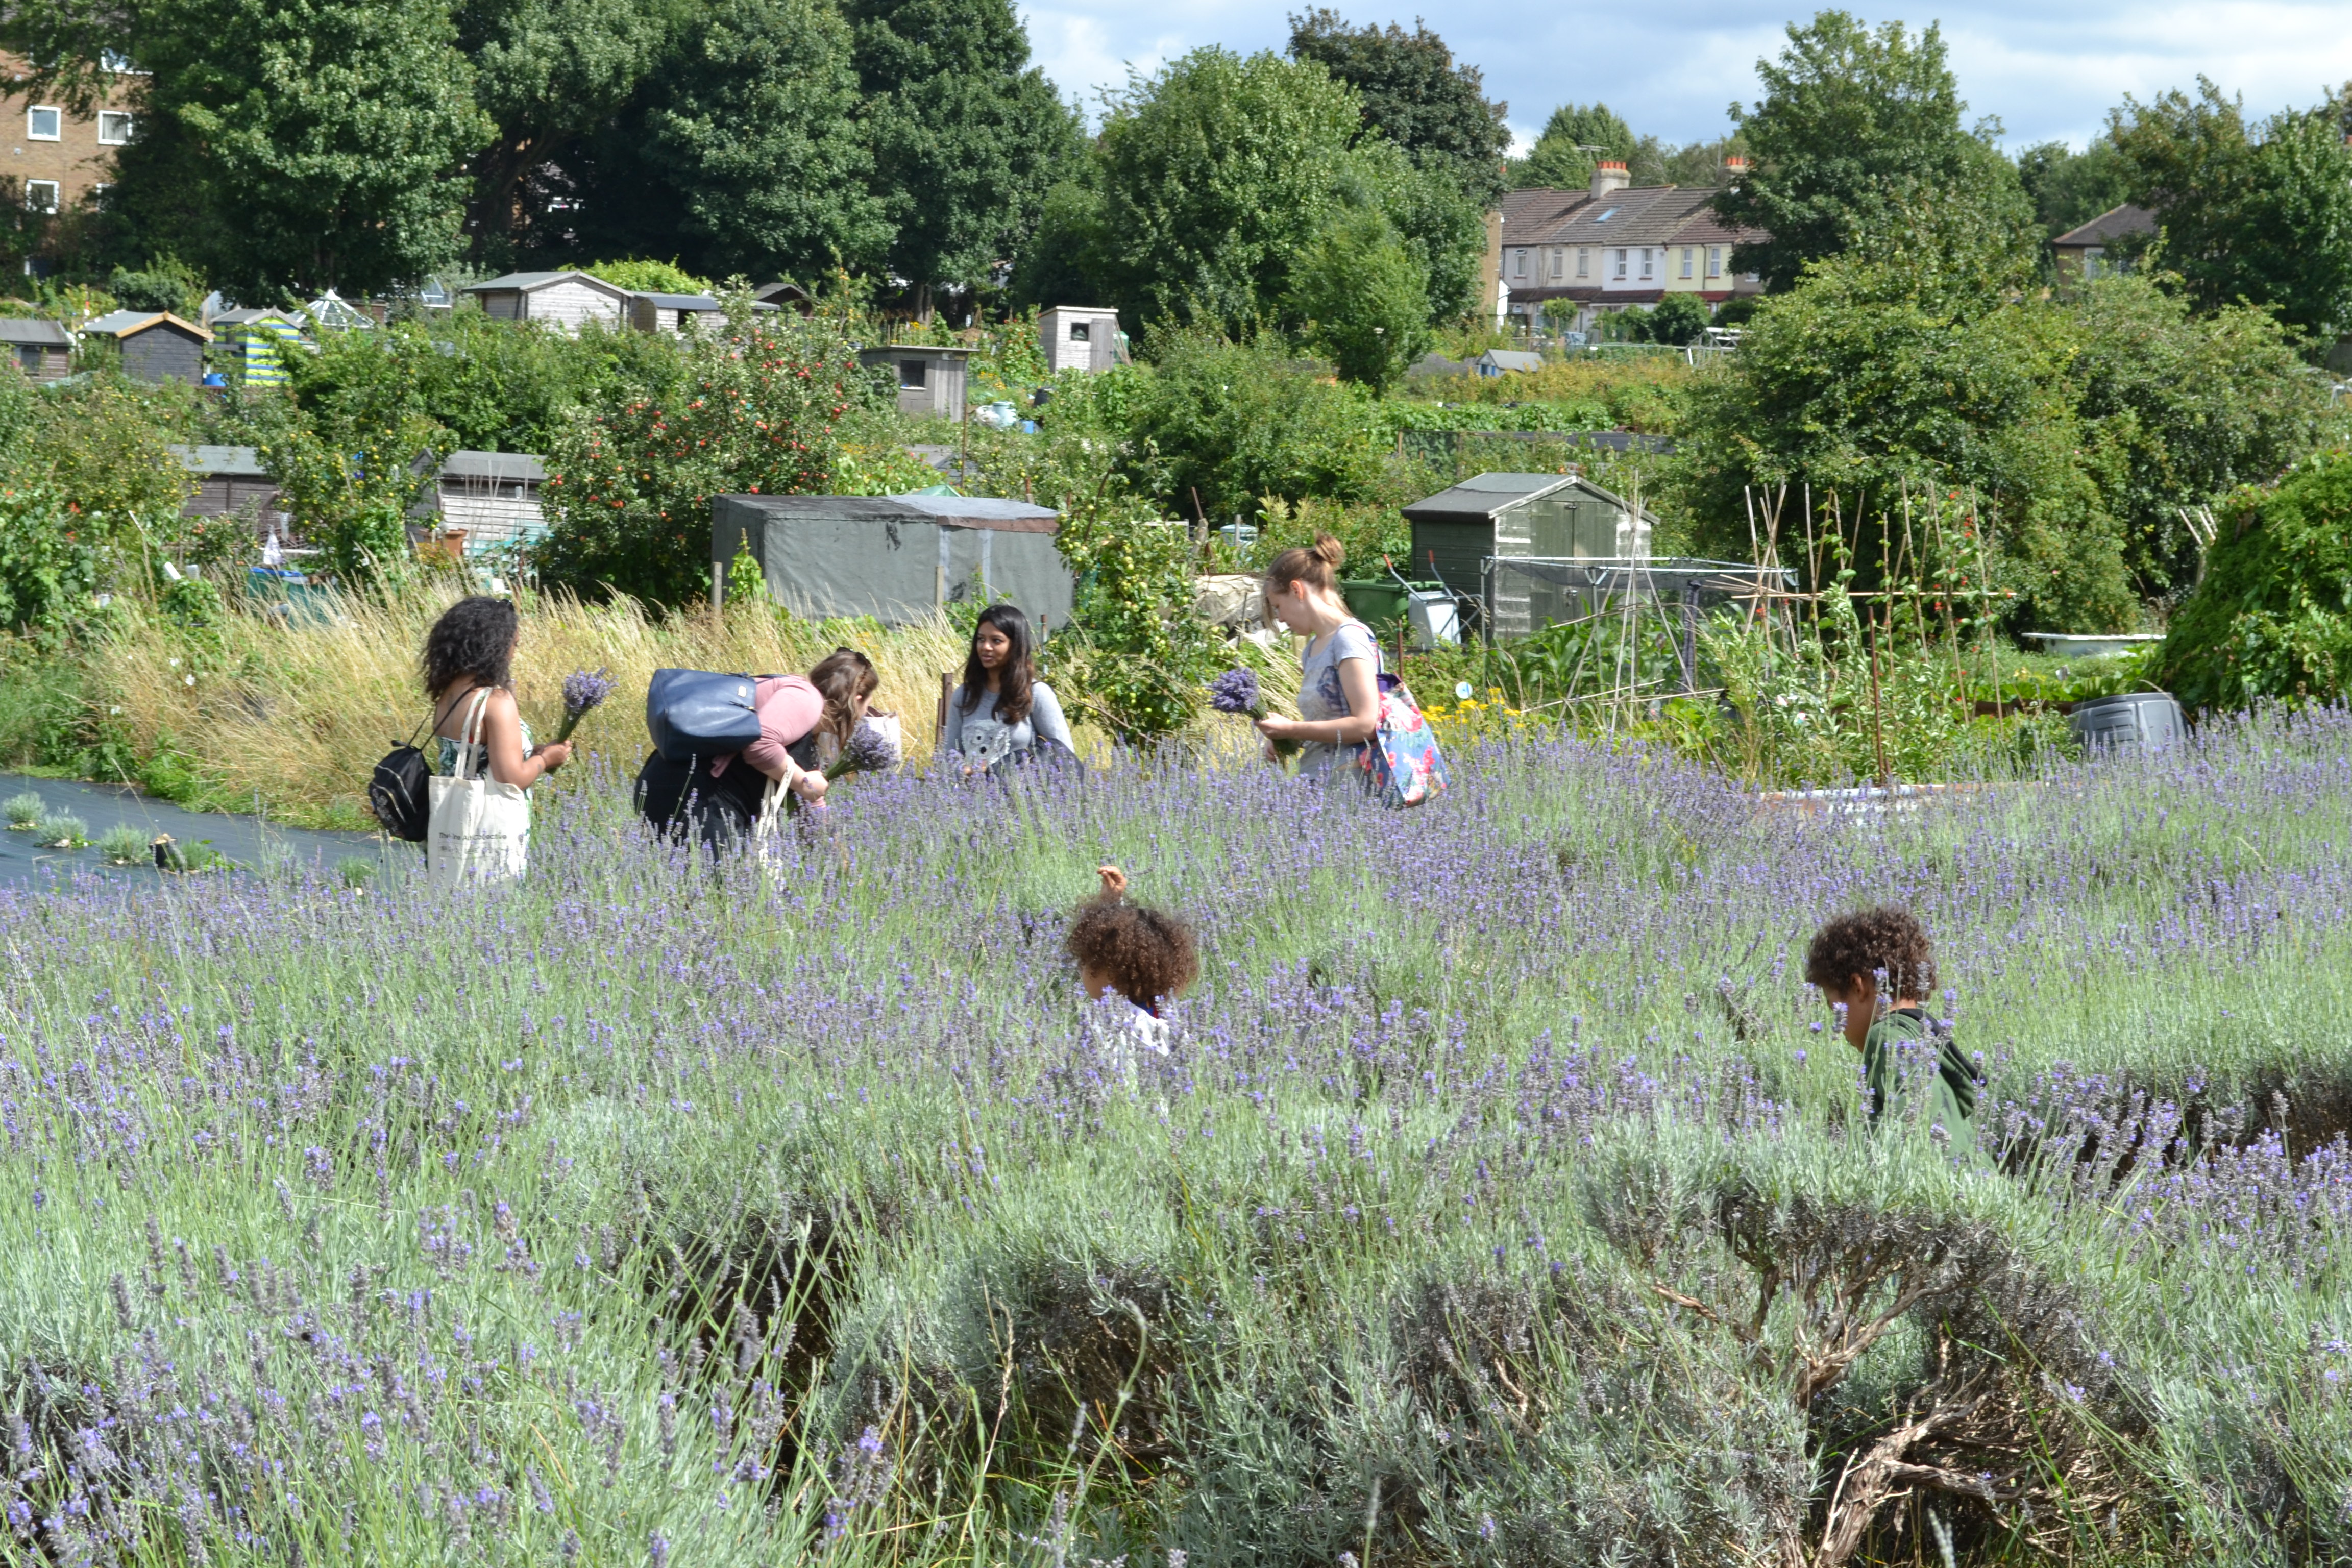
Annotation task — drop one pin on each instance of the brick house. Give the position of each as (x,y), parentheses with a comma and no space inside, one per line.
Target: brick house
(53,158)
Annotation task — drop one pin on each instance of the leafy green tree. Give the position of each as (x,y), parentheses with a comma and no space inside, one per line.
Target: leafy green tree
(164,284)
(751,409)
(1576,137)
(283,145)
(650,277)
(1365,298)
(741,153)
(1413,93)
(2261,215)
(2068,188)
(2270,618)
(1677,319)
(1231,423)
(1061,260)
(1859,133)
(967,136)
(1216,176)
(549,74)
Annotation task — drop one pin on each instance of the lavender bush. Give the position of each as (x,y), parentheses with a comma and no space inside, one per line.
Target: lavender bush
(1503,1198)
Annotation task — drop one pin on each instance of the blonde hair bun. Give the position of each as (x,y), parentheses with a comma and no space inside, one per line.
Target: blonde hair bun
(1330,552)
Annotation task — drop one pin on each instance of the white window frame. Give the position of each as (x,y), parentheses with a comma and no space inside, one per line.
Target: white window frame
(32,135)
(1715,261)
(1519,262)
(1558,263)
(1687,261)
(56,195)
(130,123)
(1620,262)
(1645,264)
(1583,261)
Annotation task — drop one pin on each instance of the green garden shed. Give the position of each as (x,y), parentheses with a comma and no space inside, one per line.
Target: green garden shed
(897,558)
(1460,531)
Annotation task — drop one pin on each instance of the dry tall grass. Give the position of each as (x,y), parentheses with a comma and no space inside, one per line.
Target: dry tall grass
(297,716)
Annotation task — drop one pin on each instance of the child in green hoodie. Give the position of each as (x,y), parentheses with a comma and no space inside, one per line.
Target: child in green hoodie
(1876,967)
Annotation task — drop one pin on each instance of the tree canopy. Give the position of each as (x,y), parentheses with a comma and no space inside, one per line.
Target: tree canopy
(1859,133)
(1413,92)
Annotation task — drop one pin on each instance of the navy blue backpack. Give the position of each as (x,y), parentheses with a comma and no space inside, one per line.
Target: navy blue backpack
(693,713)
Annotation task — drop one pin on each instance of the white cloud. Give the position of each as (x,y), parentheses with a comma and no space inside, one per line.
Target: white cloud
(2044,70)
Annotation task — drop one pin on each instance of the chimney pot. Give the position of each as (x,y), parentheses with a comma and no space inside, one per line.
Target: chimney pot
(1608,174)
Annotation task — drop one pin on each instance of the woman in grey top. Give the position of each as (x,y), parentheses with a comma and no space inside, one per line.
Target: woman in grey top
(1003,712)
(1338,690)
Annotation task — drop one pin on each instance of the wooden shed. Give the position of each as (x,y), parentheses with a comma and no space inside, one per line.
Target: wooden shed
(492,498)
(157,346)
(42,349)
(670,312)
(895,558)
(567,300)
(1540,517)
(231,482)
(930,378)
(259,340)
(1080,337)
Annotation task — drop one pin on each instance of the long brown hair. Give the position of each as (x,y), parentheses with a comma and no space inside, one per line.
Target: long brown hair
(1317,565)
(841,678)
(1013,676)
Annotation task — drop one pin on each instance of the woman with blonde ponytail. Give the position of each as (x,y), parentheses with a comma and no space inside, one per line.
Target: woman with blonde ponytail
(1338,701)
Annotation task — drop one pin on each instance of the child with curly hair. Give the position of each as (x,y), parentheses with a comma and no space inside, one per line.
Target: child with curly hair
(1135,954)
(1875,968)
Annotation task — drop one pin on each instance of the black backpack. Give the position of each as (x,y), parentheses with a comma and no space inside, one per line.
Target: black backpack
(398,791)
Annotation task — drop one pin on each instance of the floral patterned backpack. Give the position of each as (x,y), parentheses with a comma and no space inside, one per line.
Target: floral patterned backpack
(1401,763)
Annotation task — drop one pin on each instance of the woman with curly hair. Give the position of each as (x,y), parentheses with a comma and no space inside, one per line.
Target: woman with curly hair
(469,671)
(1140,956)
(1875,969)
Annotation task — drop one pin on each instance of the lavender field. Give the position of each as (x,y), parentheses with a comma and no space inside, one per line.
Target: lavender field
(1504,1199)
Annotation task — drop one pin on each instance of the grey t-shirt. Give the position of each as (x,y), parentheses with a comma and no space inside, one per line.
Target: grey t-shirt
(979,733)
(1320,696)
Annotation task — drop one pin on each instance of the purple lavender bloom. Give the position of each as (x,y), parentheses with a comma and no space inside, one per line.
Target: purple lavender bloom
(1236,691)
(582,691)
(870,750)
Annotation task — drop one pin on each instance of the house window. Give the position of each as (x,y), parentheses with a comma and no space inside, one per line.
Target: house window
(1686,260)
(1518,264)
(28,359)
(1583,262)
(1081,331)
(1620,263)
(1559,262)
(114,127)
(1715,261)
(118,65)
(40,195)
(2091,262)
(1645,264)
(45,124)
(910,374)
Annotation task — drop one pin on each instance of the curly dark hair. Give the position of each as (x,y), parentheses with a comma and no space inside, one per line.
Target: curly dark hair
(1145,955)
(1885,937)
(474,639)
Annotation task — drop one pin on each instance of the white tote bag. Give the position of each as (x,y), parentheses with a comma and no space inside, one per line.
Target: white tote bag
(479,829)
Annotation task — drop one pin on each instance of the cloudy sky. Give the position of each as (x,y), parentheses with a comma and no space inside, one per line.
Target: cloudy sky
(2044,67)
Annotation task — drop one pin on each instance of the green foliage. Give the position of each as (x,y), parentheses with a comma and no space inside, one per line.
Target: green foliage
(1575,138)
(967,135)
(1858,139)
(2273,616)
(103,450)
(690,169)
(164,284)
(1364,301)
(2069,188)
(1234,422)
(51,560)
(650,277)
(2261,217)
(1677,319)
(285,147)
(1142,656)
(349,474)
(1412,93)
(751,408)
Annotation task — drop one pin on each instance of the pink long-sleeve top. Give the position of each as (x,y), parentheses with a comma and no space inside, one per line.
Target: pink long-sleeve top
(789,707)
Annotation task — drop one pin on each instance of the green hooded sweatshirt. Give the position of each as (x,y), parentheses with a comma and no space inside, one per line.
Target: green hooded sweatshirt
(1951,1093)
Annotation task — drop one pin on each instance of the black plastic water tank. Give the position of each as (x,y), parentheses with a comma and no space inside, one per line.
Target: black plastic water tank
(2144,721)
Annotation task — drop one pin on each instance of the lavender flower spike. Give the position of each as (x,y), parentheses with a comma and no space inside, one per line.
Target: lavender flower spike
(582,691)
(870,750)
(1236,691)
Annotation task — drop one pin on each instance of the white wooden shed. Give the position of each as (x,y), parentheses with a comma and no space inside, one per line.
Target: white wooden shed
(1080,337)
(492,498)
(566,300)
(931,377)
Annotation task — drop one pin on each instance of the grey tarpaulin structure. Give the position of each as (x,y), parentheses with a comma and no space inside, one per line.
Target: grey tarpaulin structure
(895,558)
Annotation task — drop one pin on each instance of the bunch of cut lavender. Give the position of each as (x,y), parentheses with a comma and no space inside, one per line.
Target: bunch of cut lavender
(1236,691)
(582,693)
(871,750)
